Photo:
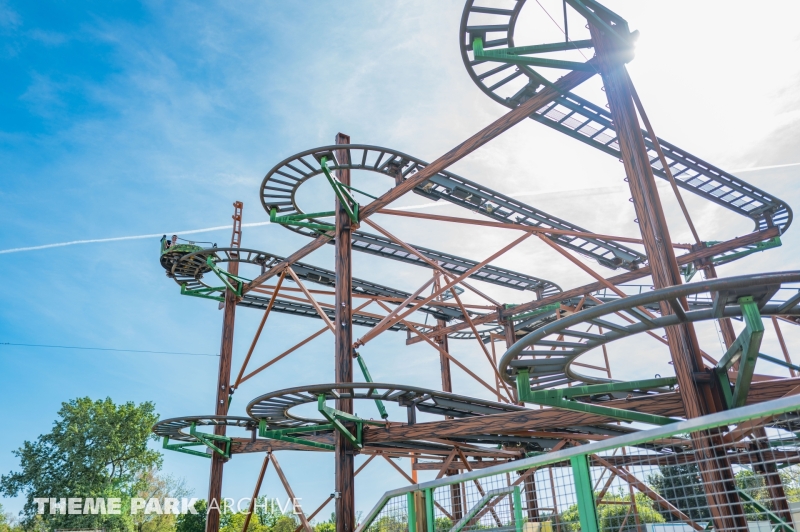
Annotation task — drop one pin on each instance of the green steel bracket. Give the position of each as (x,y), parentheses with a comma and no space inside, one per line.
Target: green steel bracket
(209,440)
(203,292)
(281,434)
(525,315)
(334,416)
(367,377)
(517,55)
(224,276)
(563,398)
(297,220)
(743,350)
(346,200)
(587,510)
(183,447)
(774,242)
(619,31)
(774,518)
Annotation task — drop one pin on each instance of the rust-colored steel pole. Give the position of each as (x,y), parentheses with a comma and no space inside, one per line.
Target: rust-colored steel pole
(698,398)
(343,357)
(224,378)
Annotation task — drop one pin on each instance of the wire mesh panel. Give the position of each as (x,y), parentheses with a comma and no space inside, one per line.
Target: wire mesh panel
(393,517)
(737,470)
(743,477)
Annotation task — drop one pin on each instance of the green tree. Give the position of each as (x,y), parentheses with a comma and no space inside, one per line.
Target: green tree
(95,449)
(7,522)
(612,516)
(190,522)
(151,484)
(268,511)
(682,486)
(285,523)
(235,522)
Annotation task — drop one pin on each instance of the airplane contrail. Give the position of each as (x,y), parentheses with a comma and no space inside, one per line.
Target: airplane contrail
(134,237)
(257,224)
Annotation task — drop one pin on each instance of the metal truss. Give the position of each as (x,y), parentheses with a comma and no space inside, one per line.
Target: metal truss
(546,355)
(279,189)
(511,85)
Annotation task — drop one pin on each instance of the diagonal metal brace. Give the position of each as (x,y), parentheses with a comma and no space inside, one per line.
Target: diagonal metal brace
(744,350)
(209,440)
(282,434)
(346,199)
(562,398)
(225,276)
(367,377)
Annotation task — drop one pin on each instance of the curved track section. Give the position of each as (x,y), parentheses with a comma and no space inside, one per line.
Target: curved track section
(174,428)
(548,352)
(279,190)
(511,85)
(275,407)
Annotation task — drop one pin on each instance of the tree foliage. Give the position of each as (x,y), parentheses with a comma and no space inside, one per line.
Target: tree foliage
(95,449)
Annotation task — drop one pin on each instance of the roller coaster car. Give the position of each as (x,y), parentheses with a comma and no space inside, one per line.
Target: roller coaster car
(172,254)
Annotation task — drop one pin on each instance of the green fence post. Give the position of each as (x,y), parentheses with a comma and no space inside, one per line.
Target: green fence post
(517,509)
(429,510)
(412,512)
(583,491)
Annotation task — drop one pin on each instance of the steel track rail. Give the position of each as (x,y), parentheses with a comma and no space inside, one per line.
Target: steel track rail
(279,190)
(511,85)
(549,352)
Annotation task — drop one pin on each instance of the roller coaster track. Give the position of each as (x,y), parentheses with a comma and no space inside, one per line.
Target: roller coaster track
(280,185)
(548,353)
(510,85)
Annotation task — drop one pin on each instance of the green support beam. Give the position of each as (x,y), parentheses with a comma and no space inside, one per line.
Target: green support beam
(203,292)
(218,444)
(282,434)
(563,398)
(429,520)
(744,350)
(225,276)
(515,56)
(412,512)
(346,200)
(518,520)
(583,491)
(367,377)
(335,417)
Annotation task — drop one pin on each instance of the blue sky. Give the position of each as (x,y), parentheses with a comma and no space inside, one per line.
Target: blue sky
(122,118)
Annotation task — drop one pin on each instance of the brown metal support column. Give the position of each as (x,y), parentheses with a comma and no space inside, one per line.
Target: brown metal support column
(224,378)
(699,398)
(444,362)
(343,356)
(725,325)
(511,339)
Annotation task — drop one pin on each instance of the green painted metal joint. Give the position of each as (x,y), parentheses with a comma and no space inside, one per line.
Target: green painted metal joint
(282,434)
(335,416)
(744,350)
(587,510)
(518,520)
(518,55)
(203,292)
(211,440)
(184,448)
(562,398)
(346,199)
(367,377)
(225,277)
(297,220)
(412,512)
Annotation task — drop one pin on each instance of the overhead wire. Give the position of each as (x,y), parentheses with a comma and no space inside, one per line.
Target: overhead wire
(82,348)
